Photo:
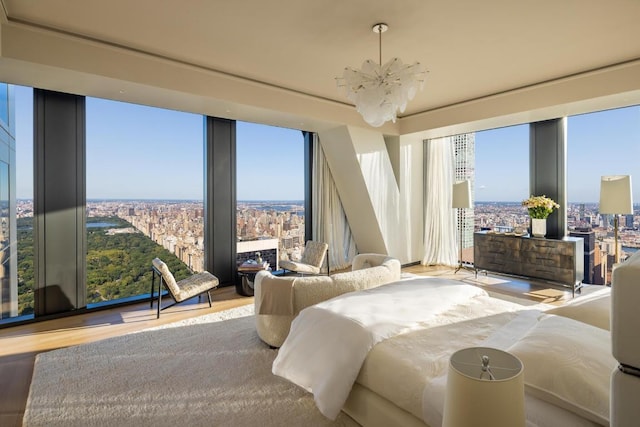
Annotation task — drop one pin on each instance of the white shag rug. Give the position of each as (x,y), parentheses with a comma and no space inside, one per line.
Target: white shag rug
(211,370)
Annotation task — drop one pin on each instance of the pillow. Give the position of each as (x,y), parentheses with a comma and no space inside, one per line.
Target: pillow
(594,309)
(568,364)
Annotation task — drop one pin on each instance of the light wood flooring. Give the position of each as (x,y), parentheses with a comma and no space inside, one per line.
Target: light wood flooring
(19,345)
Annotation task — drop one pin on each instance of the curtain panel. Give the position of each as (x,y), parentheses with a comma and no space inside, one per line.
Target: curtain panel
(329,220)
(439,220)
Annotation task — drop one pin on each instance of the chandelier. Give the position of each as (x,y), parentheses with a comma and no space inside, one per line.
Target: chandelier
(380,91)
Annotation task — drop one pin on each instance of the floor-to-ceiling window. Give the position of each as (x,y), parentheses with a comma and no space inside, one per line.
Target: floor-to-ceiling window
(16,200)
(496,161)
(144,186)
(600,144)
(270,192)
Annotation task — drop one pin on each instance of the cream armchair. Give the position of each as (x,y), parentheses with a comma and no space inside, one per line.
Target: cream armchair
(312,258)
(278,300)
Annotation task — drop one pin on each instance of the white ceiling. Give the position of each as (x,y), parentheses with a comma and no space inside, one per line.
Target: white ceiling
(472,49)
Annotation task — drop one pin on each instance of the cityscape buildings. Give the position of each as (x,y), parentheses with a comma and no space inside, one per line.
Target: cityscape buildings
(178,226)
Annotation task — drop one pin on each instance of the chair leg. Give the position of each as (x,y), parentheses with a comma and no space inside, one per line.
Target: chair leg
(327,255)
(153,286)
(209,296)
(159,298)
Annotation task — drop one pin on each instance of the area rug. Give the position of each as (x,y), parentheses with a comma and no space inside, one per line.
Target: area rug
(205,371)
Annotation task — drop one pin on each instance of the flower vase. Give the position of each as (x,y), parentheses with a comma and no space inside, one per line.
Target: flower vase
(538,227)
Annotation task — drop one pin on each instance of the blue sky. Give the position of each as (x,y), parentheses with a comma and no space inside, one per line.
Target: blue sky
(135,151)
(601,143)
(152,153)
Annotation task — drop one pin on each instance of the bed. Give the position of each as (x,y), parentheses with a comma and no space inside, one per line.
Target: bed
(381,355)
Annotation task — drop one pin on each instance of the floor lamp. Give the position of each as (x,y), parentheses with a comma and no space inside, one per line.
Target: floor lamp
(461,200)
(616,199)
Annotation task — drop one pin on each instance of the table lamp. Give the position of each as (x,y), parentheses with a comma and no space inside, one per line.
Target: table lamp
(461,200)
(485,387)
(616,199)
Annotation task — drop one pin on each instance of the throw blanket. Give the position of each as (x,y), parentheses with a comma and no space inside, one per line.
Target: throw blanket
(276,296)
(328,342)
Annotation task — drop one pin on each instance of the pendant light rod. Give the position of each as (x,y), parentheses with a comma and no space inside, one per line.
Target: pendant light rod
(380,28)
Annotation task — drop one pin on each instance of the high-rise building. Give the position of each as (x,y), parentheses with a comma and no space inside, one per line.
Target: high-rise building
(628,221)
(590,266)
(465,160)
(8,225)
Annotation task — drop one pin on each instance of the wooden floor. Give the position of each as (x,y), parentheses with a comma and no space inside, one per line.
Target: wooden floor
(19,345)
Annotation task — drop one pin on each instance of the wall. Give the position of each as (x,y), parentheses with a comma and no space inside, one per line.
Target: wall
(385,215)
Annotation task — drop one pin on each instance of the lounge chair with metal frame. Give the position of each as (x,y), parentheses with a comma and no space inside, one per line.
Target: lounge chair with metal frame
(182,290)
(311,261)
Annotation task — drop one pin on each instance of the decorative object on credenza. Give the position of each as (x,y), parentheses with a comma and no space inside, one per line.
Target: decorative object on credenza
(461,199)
(258,257)
(538,227)
(485,387)
(380,91)
(616,198)
(539,208)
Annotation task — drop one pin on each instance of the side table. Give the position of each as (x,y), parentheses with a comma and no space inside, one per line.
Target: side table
(246,275)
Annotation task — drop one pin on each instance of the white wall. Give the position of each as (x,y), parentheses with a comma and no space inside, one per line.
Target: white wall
(385,216)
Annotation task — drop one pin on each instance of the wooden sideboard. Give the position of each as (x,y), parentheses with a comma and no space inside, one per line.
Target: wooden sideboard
(558,261)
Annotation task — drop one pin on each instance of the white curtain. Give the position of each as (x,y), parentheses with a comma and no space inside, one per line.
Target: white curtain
(329,220)
(440,224)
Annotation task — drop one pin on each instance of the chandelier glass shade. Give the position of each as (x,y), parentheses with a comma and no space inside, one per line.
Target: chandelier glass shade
(380,91)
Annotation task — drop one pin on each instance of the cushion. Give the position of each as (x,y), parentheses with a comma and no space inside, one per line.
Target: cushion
(169,280)
(568,364)
(594,309)
(625,313)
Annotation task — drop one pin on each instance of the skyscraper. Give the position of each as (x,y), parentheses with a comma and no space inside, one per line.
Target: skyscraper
(8,228)
(465,160)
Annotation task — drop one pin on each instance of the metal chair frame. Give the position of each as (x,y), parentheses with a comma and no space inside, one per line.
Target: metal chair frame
(161,283)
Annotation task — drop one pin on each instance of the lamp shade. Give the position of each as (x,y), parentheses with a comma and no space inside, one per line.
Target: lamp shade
(461,194)
(615,195)
(473,399)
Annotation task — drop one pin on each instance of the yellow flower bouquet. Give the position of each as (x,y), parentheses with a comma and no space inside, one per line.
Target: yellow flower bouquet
(540,207)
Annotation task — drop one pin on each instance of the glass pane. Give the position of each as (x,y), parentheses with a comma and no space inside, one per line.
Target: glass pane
(144,196)
(501,153)
(613,138)
(270,193)
(16,200)
(4,103)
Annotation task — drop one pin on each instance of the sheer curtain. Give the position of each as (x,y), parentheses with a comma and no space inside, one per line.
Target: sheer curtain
(329,220)
(440,224)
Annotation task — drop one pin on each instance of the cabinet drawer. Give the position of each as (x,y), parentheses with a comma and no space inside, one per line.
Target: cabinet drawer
(560,275)
(548,259)
(498,264)
(542,246)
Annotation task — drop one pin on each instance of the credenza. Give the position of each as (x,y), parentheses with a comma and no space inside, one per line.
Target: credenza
(559,261)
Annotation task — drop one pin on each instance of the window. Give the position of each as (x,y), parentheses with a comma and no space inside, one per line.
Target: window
(144,196)
(602,143)
(502,178)
(270,192)
(16,201)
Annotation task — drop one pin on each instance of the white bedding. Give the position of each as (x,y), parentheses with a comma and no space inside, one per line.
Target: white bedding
(326,363)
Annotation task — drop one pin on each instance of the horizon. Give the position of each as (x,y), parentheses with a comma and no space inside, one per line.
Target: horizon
(290,201)
(164,149)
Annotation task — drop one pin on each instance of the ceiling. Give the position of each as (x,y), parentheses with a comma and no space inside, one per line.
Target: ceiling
(472,49)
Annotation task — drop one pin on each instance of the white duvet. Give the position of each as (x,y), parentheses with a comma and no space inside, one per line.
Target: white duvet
(327,363)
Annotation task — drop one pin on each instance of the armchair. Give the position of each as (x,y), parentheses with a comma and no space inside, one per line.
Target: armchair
(184,289)
(311,261)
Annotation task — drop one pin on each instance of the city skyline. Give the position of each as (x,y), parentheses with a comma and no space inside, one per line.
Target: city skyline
(600,143)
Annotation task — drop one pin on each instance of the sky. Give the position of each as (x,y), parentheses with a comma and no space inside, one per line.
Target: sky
(600,143)
(139,152)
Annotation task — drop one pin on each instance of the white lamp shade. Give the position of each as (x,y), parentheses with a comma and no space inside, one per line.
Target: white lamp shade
(461,194)
(615,195)
(474,400)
